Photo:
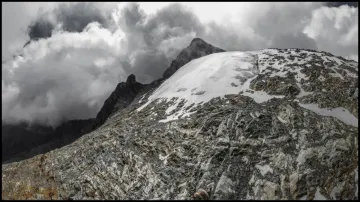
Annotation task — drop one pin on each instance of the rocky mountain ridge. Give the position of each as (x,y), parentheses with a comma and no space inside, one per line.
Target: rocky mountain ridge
(21,141)
(282,124)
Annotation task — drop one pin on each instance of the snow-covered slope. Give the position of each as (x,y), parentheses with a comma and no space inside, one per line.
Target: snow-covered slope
(208,77)
(220,74)
(202,79)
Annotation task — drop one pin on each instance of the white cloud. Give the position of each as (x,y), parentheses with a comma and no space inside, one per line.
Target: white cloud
(58,79)
(335,30)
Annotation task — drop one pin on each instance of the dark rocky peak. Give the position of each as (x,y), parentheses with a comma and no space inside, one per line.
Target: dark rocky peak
(131,79)
(198,44)
(197,48)
(120,98)
(198,41)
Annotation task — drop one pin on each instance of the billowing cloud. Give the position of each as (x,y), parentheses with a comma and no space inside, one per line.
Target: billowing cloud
(68,17)
(67,76)
(80,51)
(297,40)
(335,30)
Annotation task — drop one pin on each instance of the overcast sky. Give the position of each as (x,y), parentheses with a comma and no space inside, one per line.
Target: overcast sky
(60,61)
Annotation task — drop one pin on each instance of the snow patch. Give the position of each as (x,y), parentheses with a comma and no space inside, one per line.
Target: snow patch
(337,60)
(261,96)
(176,116)
(340,113)
(302,92)
(300,75)
(142,98)
(280,74)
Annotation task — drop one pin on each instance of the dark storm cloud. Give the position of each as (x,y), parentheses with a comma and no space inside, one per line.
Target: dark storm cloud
(75,17)
(72,17)
(341,3)
(40,29)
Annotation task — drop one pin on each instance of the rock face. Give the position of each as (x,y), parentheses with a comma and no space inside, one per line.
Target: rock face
(279,137)
(120,98)
(196,49)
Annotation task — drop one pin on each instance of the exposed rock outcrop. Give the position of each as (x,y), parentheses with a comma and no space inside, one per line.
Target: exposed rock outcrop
(120,98)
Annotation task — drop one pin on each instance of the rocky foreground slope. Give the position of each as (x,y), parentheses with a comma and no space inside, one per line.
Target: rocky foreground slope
(269,124)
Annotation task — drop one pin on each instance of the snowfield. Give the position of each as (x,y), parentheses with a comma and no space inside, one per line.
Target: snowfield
(220,74)
(211,76)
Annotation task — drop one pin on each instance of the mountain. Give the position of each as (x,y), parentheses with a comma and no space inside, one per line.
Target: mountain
(22,141)
(120,98)
(267,124)
(196,49)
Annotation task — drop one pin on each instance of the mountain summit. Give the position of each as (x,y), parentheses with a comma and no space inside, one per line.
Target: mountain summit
(196,49)
(269,124)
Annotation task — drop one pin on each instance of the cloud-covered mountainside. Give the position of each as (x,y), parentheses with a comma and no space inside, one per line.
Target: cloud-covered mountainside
(77,53)
(266,125)
(21,141)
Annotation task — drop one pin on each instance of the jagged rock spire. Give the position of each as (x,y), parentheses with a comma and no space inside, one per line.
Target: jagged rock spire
(131,79)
